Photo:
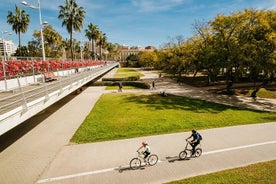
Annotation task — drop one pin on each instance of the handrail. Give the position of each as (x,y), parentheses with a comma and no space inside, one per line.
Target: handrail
(40,91)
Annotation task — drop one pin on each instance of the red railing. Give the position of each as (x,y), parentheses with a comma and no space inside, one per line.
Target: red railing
(14,68)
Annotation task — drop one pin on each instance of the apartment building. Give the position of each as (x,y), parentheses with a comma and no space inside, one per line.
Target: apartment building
(8,47)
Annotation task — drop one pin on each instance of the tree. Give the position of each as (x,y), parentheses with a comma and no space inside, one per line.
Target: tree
(206,55)
(34,48)
(22,51)
(52,39)
(225,30)
(72,16)
(257,38)
(147,58)
(114,50)
(92,33)
(19,20)
(102,43)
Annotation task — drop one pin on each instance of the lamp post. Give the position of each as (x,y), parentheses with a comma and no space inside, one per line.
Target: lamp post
(4,45)
(5,58)
(41,24)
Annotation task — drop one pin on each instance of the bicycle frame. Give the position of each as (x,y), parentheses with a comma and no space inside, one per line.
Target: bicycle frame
(136,162)
(140,155)
(187,152)
(189,143)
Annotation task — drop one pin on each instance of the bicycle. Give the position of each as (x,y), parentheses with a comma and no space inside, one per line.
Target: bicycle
(136,162)
(187,152)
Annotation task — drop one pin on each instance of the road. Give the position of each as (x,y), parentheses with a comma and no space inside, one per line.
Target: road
(223,148)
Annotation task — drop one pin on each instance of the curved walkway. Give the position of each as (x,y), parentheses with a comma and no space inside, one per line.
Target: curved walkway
(170,86)
(42,154)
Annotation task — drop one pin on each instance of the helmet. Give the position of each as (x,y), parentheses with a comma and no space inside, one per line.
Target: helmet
(144,143)
(193,131)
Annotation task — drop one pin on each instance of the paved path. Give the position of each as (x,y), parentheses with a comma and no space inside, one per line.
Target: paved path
(43,153)
(224,148)
(170,86)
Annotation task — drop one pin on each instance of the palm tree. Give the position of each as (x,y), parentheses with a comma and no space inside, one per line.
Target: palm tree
(72,16)
(19,21)
(92,33)
(102,43)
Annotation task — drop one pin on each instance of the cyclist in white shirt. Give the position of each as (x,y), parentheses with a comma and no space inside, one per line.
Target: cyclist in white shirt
(146,148)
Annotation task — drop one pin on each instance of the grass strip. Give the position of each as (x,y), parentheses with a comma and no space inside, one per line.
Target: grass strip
(127,115)
(259,173)
(127,72)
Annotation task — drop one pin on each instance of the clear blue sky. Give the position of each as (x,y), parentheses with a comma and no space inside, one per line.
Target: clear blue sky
(132,22)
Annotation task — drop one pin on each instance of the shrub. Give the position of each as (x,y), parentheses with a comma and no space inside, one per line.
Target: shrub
(131,78)
(137,84)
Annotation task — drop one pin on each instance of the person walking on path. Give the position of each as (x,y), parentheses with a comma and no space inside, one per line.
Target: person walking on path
(153,85)
(120,85)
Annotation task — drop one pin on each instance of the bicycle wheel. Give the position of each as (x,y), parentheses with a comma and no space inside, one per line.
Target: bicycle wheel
(135,163)
(198,152)
(152,159)
(182,155)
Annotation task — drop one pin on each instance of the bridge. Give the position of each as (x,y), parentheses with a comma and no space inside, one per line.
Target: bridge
(19,104)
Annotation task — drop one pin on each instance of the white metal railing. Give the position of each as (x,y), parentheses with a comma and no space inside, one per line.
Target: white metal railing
(25,103)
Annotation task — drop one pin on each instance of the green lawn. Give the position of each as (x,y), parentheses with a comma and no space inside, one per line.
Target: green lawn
(127,72)
(128,115)
(264,93)
(124,87)
(261,173)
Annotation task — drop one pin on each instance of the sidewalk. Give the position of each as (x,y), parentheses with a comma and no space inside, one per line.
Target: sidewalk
(99,163)
(24,160)
(45,148)
(170,86)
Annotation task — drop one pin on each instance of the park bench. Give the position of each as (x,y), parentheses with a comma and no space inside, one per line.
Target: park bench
(50,76)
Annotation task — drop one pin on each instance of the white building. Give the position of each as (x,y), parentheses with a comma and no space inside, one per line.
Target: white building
(8,47)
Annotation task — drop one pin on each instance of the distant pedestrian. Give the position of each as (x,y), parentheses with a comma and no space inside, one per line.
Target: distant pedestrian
(153,85)
(160,75)
(254,94)
(120,85)
(178,81)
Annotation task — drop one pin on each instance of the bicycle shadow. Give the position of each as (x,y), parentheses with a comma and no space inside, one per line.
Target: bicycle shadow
(120,169)
(176,158)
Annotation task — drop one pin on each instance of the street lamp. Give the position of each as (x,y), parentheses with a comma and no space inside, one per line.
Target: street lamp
(41,24)
(5,58)
(4,45)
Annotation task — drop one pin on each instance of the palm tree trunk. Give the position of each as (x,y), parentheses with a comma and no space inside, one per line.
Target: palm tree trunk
(93,49)
(19,40)
(72,57)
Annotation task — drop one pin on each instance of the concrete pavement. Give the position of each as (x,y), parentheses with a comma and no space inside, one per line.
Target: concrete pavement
(43,136)
(223,148)
(43,152)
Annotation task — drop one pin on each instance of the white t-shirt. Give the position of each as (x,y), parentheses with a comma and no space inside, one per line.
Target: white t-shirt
(147,148)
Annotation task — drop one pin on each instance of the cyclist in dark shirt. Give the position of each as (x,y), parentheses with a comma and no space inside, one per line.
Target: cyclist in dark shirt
(195,141)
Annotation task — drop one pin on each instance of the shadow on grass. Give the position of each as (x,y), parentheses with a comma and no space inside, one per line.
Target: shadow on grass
(177,103)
